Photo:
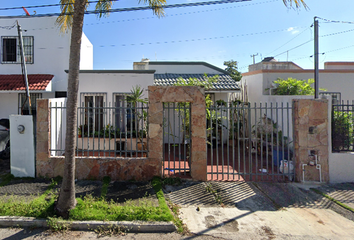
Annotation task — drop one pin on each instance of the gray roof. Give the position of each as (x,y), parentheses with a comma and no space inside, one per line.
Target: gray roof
(225,82)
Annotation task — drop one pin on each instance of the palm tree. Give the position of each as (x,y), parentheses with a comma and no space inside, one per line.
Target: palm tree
(73,18)
(297,3)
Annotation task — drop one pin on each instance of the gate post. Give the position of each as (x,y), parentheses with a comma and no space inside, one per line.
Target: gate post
(195,95)
(311,139)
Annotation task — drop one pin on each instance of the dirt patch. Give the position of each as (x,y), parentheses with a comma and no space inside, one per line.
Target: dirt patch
(134,192)
(268,231)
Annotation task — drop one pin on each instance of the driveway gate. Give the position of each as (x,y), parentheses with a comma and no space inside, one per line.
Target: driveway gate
(247,142)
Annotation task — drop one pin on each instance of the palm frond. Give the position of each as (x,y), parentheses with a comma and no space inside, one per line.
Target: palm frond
(297,3)
(102,7)
(157,6)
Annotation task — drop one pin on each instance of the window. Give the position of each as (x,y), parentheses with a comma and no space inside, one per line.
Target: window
(11,49)
(93,104)
(23,104)
(124,114)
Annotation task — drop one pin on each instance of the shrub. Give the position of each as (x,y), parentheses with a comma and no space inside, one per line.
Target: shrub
(342,131)
(292,86)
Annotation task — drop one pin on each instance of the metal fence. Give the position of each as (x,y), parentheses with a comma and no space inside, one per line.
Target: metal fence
(343,127)
(103,130)
(250,142)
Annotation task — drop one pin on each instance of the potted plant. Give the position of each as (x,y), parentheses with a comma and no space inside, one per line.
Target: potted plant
(138,116)
(79,132)
(271,140)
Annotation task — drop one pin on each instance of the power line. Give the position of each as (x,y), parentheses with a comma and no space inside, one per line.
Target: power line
(336,33)
(335,21)
(288,41)
(132,9)
(193,39)
(294,47)
(46,5)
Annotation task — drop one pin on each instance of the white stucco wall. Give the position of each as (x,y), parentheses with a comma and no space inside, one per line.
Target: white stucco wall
(332,80)
(51,49)
(8,104)
(110,82)
(86,57)
(341,166)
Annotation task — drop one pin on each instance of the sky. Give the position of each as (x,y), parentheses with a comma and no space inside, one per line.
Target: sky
(216,33)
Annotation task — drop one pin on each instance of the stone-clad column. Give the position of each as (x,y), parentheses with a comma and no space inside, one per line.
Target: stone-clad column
(311,133)
(195,95)
(43,166)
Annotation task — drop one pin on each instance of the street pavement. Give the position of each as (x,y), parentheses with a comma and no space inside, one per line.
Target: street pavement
(243,210)
(219,210)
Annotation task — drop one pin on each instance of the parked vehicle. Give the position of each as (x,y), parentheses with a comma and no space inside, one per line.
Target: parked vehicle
(5,139)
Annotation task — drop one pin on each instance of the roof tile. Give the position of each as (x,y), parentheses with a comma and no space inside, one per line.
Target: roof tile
(225,81)
(14,82)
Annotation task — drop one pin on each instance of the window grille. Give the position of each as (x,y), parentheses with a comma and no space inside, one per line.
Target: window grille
(11,49)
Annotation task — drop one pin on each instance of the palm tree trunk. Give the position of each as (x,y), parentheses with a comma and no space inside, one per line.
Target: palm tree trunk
(67,199)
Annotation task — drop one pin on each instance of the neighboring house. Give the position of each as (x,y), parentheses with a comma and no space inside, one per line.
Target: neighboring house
(109,88)
(335,77)
(47,57)
(167,74)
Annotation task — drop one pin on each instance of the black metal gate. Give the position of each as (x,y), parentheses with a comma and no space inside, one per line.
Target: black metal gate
(176,139)
(250,143)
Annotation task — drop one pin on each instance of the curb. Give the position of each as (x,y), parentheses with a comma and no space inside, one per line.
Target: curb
(133,226)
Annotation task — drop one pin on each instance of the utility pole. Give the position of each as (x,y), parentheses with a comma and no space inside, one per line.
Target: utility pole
(315,24)
(253,56)
(24,69)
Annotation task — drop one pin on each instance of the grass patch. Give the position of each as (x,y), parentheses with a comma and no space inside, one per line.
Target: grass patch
(90,208)
(6,179)
(41,207)
(104,189)
(333,200)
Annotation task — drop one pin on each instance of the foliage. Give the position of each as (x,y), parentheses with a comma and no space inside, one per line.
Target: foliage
(72,16)
(183,108)
(58,224)
(267,131)
(297,3)
(293,86)
(231,67)
(342,131)
(102,7)
(139,115)
(88,208)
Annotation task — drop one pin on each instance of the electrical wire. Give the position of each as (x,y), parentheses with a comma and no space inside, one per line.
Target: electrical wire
(294,47)
(131,9)
(289,41)
(45,5)
(335,21)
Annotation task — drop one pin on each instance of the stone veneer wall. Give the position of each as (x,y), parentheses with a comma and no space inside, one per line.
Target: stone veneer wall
(139,169)
(195,95)
(311,133)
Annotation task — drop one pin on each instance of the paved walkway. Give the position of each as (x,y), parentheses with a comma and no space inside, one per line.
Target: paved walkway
(234,210)
(241,210)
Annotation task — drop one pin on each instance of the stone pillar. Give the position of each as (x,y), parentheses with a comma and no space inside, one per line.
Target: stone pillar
(43,167)
(311,134)
(195,95)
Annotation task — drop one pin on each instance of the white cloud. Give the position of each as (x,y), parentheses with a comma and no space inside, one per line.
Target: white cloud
(290,29)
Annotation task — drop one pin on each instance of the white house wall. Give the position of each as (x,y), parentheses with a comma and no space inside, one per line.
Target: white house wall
(51,49)
(8,104)
(332,80)
(110,83)
(86,55)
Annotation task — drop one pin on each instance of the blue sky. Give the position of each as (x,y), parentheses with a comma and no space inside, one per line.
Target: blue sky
(216,33)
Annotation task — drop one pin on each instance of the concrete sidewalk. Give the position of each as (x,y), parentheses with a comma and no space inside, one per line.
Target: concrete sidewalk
(241,210)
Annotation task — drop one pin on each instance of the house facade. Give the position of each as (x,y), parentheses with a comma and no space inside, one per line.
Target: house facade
(46,52)
(336,77)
